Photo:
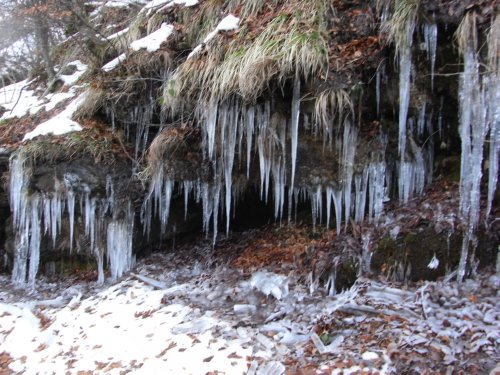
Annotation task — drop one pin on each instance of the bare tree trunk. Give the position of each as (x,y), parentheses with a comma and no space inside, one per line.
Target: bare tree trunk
(42,36)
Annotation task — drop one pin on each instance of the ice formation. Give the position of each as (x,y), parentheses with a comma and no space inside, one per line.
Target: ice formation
(36,214)
(478,106)
(431,38)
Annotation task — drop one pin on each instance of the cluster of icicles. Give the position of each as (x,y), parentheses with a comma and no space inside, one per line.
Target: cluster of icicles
(235,131)
(37,214)
(235,134)
(479,96)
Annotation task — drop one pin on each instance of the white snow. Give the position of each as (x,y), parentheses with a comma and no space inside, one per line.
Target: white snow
(369,356)
(118,34)
(18,100)
(71,79)
(167,4)
(153,41)
(60,124)
(121,3)
(156,3)
(186,3)
(114,63)
(228,23)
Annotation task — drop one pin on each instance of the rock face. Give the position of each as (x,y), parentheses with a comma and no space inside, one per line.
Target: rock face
(295,104)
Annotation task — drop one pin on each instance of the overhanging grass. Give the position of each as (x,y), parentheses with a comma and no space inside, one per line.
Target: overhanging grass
(400,22)
(292,42)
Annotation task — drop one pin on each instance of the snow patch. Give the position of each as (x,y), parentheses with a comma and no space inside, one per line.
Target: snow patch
(118,34)
(71,79)
(369,356)
(114,63)
(60,124)
(153,41)
(228,23)
(18,100)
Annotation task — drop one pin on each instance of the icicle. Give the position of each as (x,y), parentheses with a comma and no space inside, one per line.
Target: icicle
(119,244)
(421,122)
(166,198)
(412,175)
(473,130)
(35,239)
(216,200)
(71,212)
(337,202)
(229,151)
(376,190)
(349,146)
(294,125)
(329,197)
(405,62)
(209,128)
(20,204)
(46,215)
(316,205)
(430,38)
(100,265)
(361,186)
(365,254)
(249,122)
(187,187)
(493,100)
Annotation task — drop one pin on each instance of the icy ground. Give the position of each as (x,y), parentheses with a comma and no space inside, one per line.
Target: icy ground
(172,316)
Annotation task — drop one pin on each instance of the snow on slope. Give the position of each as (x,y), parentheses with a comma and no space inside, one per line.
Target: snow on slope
(19,100)
(59,124)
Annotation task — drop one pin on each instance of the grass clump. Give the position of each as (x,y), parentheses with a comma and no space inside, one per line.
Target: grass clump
(330,104)
(291,43)
(89,144)
(399,26)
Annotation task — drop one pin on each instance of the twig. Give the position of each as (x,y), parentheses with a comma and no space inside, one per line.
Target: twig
(18,98)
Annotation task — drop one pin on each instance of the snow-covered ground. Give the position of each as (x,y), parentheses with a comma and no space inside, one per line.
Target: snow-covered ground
(173,318)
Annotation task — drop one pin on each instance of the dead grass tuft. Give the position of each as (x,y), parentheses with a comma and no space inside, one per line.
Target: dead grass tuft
(399,26)
(331,105)
(292,42)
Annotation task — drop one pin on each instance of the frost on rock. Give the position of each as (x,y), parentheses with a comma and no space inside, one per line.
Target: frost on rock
(270,284)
